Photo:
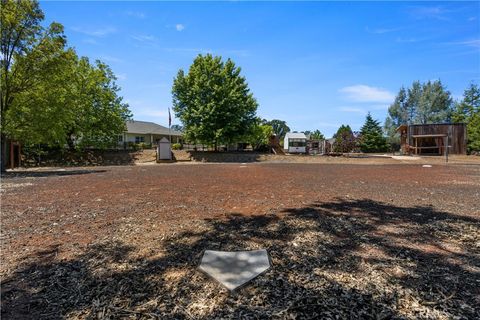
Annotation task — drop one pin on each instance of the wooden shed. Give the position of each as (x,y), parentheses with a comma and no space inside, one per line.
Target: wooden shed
(432,138)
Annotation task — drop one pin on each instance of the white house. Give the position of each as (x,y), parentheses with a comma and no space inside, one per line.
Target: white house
(295,142)
(147,132)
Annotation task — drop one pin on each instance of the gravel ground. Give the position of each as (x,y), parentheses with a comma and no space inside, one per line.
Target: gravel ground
(381,240)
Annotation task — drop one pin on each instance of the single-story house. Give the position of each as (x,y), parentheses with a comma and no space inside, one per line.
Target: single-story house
(148,133)
(433,138)
(295,142)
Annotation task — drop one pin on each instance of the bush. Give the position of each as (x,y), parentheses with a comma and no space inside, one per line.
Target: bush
(176,146)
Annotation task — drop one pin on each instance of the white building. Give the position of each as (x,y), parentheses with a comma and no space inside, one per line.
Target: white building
(295,142)
(147,132)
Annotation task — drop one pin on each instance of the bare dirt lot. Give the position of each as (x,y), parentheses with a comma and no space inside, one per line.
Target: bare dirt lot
(368,240)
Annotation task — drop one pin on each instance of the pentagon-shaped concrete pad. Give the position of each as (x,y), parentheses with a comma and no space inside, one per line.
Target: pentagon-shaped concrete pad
(234,269)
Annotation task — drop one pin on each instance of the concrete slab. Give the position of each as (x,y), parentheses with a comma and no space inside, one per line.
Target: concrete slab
(406,158)
(234,269)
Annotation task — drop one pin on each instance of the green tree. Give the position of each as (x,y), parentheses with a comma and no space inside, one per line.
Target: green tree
(435,104)
(317,135)
(280,128)
(213,101)
(429,102)
(371,136)
(259,135)
(468,111)
(345,140)
(19,28)
(99,112)
(177,127)
(48,95)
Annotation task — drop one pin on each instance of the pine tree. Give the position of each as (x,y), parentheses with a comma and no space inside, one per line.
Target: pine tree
(372,139)
(468,111)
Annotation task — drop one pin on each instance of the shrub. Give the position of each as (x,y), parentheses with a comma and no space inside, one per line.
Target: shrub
(176,146)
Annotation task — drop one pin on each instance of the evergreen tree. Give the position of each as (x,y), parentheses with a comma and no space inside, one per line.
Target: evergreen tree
(434,105)
(429,102)
(371,136)
(468,111)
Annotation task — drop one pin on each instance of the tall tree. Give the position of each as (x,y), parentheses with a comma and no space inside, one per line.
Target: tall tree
(435,104)
(213,101)
(19,29)
(317,135)
(345,140)
(429,102)
(468,111)
(280,128)
(259,135)
(99,112)
(371,136)
(49,95)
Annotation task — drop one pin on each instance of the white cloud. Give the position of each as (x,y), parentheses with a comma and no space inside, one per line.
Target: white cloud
(410,40)
(179,27)
(364,93)
(101,32)
(353,110)
(469,43)
(382,30)
(144,38)
(430,12)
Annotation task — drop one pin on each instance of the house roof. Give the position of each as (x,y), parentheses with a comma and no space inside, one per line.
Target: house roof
(295,135)
(145,127)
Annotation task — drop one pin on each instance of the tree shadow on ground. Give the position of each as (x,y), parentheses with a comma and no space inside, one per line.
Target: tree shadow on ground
(355,259)
(221,157)
(49,173)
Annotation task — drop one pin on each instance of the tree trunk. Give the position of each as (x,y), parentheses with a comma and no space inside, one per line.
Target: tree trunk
(3,152)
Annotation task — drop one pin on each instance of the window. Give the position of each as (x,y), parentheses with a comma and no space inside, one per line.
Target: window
(139,139)
(297,143)
(120,138)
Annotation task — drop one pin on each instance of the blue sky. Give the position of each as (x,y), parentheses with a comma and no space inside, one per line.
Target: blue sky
(316,65)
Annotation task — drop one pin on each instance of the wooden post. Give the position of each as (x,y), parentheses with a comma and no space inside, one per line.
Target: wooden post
(416,143)
(446,149)
(12,158)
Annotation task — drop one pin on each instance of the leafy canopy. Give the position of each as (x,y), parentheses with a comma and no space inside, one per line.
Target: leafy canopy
(49,95)
(280,128)
(259,135)
(315,135)
(213,101)
(422,103)
(345,140)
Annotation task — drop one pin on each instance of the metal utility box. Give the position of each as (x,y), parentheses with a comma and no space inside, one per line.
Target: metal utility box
(164,151)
